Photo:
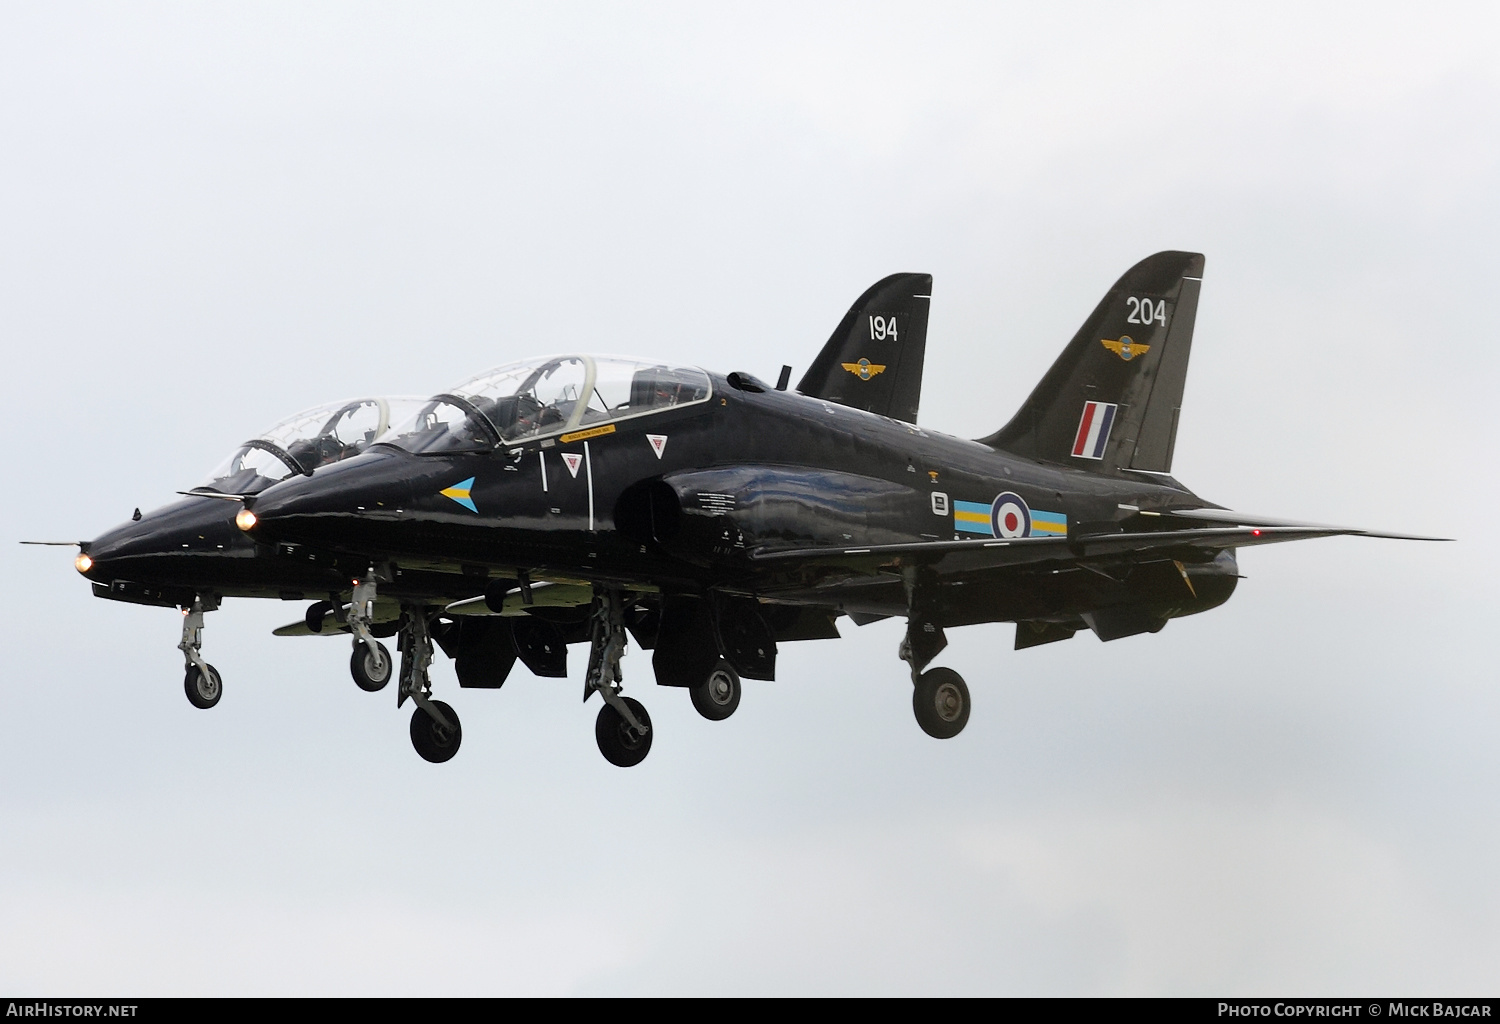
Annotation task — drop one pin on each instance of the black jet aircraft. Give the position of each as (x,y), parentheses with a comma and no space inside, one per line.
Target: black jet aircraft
(714,517)
(189,554)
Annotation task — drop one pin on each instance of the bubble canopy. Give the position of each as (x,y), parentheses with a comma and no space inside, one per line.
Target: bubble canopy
(302,443)
(542,397)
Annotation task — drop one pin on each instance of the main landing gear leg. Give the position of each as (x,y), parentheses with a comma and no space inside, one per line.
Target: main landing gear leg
(370,664)
(940,698)
(435,729)
(623,729)
(202,682)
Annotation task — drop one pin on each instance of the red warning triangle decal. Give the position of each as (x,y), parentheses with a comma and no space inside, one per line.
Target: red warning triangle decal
(658,443)
(573,459)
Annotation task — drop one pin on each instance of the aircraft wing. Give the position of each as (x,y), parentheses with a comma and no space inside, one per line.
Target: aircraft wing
(962,556)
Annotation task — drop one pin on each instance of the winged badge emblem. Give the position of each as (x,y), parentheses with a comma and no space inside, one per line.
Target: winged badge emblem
(864,369)
(1125,348)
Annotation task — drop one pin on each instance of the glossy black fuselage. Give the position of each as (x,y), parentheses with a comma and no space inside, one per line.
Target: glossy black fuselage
(684,499)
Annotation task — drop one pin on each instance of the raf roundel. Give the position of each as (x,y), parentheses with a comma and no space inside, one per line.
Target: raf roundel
(1010,516)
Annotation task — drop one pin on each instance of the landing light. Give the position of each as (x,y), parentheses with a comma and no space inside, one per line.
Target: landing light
(83,563)
(245,519)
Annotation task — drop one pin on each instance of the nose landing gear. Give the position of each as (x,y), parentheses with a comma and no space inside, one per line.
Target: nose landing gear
(201,682)
(370,664)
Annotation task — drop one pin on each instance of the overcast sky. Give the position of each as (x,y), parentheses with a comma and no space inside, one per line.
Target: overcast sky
(212,216)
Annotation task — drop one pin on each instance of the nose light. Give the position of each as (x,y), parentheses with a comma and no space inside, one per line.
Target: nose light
(245,519)
(83,563)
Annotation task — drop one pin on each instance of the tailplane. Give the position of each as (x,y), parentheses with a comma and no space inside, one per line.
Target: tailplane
(1111,401)
(873,361)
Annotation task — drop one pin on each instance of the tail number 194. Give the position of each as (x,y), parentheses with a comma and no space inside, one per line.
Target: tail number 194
(1145,311)
(882,327)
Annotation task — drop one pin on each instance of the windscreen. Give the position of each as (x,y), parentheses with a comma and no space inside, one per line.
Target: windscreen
(542,397)
(302,443)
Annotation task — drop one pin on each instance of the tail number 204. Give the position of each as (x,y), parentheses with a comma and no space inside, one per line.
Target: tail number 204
(1145,311)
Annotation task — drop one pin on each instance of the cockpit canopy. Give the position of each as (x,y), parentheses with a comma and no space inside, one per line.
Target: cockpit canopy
(542,397)
(302,443)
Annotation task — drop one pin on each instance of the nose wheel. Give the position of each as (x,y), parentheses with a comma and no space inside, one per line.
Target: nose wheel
(717,696)
(370,665)
(203,686)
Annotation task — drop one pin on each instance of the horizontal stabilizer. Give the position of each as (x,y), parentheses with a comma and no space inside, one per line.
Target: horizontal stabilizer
(1224,515)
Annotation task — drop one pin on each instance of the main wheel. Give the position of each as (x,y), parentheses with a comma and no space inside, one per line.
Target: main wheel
(370,665)
(941,701)
(618,741)
(434,741)
(203,691)
(717,696)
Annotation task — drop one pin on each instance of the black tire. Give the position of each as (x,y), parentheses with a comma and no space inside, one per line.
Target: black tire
(435,742)
(717,696)
(313,617)
(941,701)
(620,744)
(203,693)
(371,669)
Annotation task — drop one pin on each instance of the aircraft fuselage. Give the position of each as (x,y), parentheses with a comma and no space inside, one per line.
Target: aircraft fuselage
(679,499)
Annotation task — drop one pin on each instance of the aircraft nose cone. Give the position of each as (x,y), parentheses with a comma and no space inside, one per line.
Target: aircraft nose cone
(324,508)
(139,548)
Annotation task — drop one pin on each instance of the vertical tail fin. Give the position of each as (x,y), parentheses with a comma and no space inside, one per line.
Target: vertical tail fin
(1111,400)
(873,361)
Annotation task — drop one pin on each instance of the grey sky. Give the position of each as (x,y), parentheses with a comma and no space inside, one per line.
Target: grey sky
(212,216)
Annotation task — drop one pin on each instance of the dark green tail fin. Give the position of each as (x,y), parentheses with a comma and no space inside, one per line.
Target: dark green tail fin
(1111,400)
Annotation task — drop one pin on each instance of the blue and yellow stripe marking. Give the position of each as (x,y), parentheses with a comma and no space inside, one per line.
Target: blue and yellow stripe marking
(972,517)
(1048,524)
(459,492)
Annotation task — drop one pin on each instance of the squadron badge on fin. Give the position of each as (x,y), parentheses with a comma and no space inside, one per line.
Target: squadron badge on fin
(1125,348)
(864,369)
